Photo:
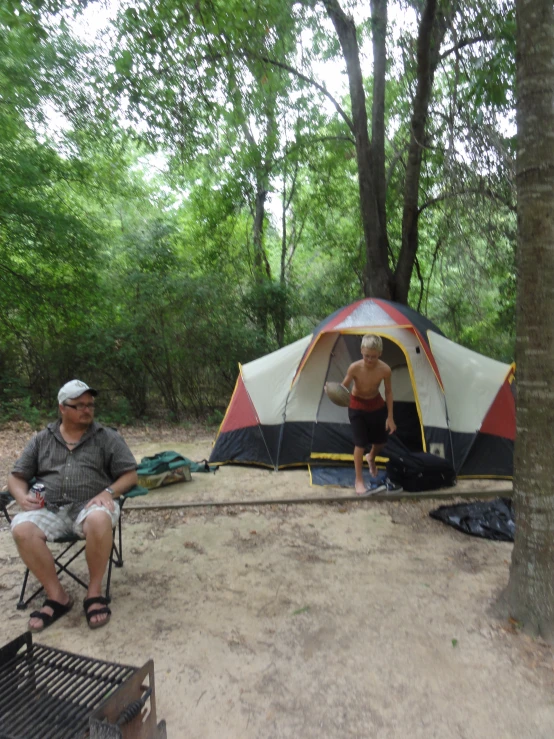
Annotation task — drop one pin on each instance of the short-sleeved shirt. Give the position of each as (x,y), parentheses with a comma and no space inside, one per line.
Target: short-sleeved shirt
(79,474)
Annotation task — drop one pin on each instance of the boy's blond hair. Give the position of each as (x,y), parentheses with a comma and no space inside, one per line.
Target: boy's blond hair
(372,341)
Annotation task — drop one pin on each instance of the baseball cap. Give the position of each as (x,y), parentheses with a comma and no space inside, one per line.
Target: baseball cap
(74,389)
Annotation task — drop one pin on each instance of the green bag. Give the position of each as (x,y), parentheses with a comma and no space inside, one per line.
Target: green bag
(166,468)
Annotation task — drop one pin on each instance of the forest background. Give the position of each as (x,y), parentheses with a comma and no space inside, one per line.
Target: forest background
(189,190)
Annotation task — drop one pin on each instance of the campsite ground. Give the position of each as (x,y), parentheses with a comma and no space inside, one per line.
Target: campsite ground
(340,619)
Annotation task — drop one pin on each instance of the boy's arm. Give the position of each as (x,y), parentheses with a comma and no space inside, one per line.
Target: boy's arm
(390,425)
(349,377)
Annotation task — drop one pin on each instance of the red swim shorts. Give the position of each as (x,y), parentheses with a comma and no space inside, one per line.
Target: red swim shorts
(368,417)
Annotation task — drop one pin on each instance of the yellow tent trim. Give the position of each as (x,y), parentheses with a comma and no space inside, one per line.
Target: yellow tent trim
(229,404)
(412,380)
(342,457)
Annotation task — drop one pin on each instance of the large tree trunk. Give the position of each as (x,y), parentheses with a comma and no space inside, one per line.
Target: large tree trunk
(530,593)
(379,37)
(260,265)
(377,277)
(432,27)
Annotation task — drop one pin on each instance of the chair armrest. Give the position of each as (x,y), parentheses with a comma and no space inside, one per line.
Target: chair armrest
(5,500)
(134,492)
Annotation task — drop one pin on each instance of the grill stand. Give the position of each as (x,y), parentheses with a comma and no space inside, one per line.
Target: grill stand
(48,693)
(124,716)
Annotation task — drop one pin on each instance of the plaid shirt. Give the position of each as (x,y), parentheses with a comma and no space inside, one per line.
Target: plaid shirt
(79,474)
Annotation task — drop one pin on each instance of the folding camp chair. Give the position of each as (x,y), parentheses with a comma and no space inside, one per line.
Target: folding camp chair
(75,547)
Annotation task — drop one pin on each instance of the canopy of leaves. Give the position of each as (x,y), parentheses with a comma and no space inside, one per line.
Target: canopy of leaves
(220,217)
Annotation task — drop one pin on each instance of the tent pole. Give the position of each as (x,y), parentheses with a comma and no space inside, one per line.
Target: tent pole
(281,433)
(282,430)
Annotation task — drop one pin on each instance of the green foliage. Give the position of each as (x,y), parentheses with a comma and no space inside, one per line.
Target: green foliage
(16,403)
(154,287)
(215,418)
(117,413)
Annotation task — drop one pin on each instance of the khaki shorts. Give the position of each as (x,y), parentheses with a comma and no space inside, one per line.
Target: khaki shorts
(61,524)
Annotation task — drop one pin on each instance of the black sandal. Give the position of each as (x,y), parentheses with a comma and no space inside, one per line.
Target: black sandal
(88,602)
(58,610)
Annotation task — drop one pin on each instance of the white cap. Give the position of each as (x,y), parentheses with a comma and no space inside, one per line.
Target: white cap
(74,389)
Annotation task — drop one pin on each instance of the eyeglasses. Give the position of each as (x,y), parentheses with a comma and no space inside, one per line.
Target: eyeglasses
(80,406)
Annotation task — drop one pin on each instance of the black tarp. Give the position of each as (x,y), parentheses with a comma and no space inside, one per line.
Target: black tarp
(492,519)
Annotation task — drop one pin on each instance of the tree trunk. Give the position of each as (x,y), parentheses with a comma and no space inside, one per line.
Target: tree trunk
(530,592)
(379,37)
(377,277)
(258,233)
(433,25)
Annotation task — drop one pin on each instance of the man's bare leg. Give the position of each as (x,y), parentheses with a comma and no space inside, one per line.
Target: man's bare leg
(359,485)
(97,528)
(32,548)
(370,457)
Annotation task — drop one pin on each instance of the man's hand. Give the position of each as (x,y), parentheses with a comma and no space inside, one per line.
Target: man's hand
(390,425)
(19,489)
(103,499)
(30,503)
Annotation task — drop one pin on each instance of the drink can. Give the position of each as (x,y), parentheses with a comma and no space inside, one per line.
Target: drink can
(37,492)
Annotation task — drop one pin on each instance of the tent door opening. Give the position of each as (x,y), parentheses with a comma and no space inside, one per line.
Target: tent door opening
(346,350)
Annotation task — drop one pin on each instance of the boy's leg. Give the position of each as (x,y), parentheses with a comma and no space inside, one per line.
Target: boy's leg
(375,450)
(361,442)
(376,430)
(359,485)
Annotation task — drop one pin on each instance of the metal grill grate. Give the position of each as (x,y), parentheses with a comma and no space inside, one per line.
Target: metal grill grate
(48,693)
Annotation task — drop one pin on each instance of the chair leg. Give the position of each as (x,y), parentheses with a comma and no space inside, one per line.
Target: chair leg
(120,557)
(116,558)
(21,604)
(118,561)
(60,567)
(110,564)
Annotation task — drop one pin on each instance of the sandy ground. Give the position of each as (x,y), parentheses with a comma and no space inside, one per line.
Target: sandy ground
(340,619)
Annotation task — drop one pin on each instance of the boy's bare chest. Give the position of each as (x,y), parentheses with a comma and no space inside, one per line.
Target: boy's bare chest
(369,378)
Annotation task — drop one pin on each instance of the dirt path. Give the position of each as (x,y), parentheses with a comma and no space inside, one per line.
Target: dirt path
(359,619)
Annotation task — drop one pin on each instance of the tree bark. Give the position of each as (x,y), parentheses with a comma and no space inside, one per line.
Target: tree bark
(378,276)
(379,37)
(530,592)
(432,28)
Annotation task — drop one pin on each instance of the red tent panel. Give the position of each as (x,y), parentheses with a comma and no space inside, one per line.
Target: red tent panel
(501,418)
(241,412)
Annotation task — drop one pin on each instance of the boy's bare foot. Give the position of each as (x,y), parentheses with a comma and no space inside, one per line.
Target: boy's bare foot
(360,488)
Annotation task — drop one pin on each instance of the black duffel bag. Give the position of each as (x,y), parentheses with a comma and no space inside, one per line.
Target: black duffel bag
(419,471)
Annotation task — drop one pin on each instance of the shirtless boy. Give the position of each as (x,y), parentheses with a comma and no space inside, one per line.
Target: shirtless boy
(370,416)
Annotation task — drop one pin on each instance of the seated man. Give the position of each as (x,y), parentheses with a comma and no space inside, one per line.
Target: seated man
(84,468)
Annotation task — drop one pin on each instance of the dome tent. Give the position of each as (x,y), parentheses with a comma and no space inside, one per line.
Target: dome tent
(448,400)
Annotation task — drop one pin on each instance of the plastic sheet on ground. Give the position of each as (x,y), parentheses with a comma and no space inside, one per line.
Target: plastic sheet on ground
(493,519)
(338,476)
